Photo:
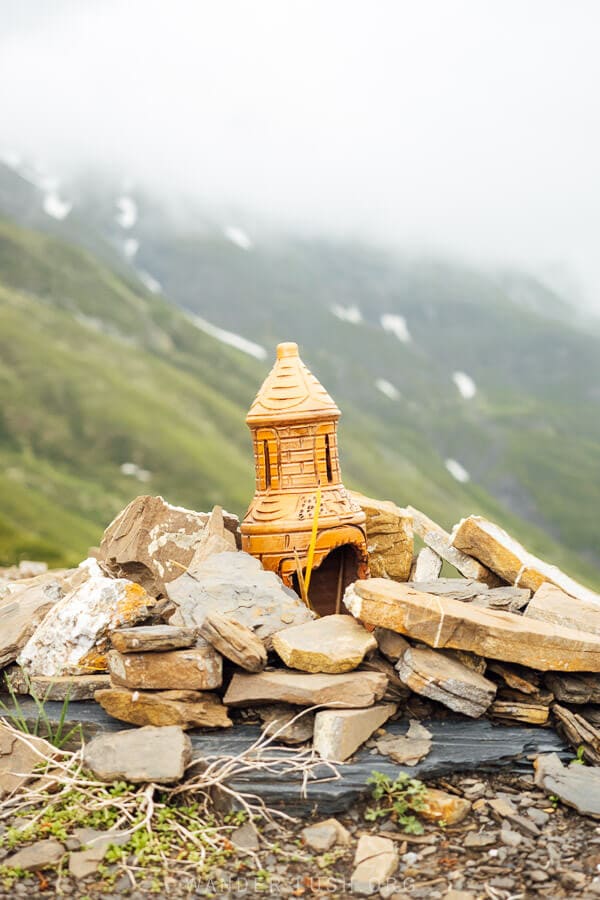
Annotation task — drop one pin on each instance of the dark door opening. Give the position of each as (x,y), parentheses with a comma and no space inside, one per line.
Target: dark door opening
(329,581)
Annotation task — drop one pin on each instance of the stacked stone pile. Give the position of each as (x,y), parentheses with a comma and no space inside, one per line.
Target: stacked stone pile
(172,624)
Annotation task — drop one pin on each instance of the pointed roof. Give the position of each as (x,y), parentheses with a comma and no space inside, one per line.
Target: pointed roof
(290,392)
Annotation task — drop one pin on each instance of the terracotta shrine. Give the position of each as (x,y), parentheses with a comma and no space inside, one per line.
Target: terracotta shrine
(293,421)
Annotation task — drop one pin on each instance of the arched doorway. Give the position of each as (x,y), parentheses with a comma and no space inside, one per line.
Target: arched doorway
(329,581)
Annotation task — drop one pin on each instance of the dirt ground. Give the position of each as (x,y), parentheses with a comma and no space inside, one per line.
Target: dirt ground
(542,850)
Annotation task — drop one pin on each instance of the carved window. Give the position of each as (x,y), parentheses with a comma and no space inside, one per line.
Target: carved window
(267,459)
(325,454)
(328,463)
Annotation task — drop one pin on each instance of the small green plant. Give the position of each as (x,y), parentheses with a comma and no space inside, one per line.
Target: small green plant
(579,756)
(9,875)
(330,857)
(554,800)
(237,817)
(55,733)
(398,800)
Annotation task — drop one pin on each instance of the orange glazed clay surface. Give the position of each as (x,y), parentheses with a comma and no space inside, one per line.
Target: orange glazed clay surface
(293,421)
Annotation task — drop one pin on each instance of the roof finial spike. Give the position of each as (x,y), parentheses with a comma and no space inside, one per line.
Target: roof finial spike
(288,348)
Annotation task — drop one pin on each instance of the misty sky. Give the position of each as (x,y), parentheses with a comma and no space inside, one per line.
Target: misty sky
(472,126)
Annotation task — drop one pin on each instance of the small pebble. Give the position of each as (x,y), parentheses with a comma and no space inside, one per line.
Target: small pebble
(479,839)
(538,875)
(572,880)
(510,838)
(538,815)
(503,882)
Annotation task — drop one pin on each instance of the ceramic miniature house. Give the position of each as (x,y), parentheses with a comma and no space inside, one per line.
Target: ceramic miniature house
(293,421)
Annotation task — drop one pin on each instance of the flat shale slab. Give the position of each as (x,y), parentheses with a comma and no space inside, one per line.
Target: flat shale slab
(458,745)
(444,622)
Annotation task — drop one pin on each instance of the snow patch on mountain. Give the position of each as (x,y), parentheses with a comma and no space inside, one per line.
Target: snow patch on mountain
(131,247)
(134,471)
(387,389)
(347,313)
(457,471)
(149,282)
(238,236)
(229,338)
(465,385)
(56,207)
(127,211)
(35,175)
(396,325)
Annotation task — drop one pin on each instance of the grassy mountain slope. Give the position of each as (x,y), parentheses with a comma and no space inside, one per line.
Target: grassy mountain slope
(97,372)
(531,435)
(92,376)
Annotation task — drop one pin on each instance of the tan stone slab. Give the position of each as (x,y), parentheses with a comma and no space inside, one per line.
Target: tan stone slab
(578,688)
(190,709)
(234,640)
(332,644)
(219,536)
(507,597)
(524,680)
(236,586)
(427,566)
(458,588)
(502,806)
(446,680)
(466,565)
(501,553)
(542,696)
(145,638)
(440,541)
(199,668)
(408,749)
(38,856)
(444,622)
(340,732)
(22,609)
(575,729)
(389,537)
(19,755)
(375,862)
(58,688)
(322,836)
(391,644)
(551,604)
(73,637)
(352,689)
(152,542)
(577,786)
(528,712)
(140,755)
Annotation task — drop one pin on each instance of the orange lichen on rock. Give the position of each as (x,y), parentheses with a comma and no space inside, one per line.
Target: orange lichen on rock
(95,660)
(130,606)
(294,428)
(73,638)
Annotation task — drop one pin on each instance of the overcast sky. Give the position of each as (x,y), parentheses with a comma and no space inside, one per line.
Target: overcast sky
(467,125)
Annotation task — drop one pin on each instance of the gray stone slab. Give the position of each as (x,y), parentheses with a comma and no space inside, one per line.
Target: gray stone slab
(458,745)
